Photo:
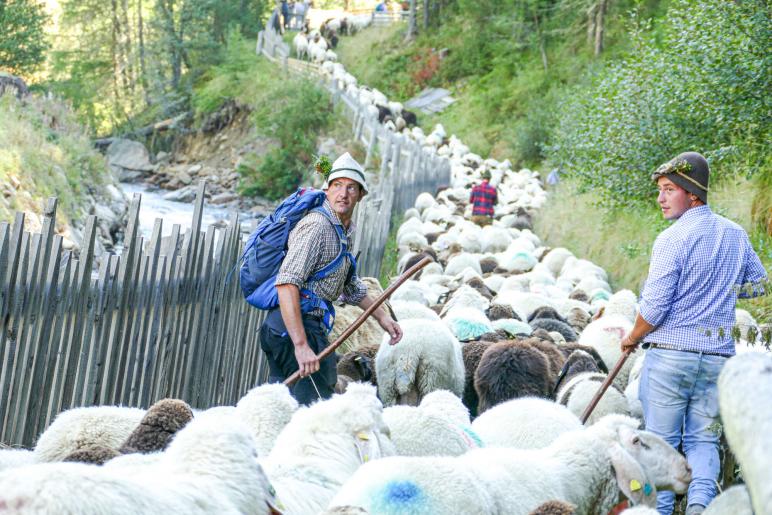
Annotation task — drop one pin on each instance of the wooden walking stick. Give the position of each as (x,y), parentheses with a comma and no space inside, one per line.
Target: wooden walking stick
(369,311)
(603,387)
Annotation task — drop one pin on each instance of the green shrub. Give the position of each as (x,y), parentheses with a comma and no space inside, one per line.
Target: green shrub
(294,114)
(700,88)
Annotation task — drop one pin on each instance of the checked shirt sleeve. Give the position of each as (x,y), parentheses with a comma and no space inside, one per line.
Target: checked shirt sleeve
(664,272)
(754,278)
(354,291)
(303,253)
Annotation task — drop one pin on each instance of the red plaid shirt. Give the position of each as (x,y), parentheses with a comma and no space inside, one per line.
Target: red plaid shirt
(483,198)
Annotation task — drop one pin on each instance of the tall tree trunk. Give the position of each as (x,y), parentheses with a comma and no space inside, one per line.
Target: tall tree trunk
(114,48)
(591,24)
(142,65)
(539,35)
(411,28)
(602,4)
(129,77)
(426,14)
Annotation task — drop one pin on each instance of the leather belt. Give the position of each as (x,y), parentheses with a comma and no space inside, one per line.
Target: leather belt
(673,347)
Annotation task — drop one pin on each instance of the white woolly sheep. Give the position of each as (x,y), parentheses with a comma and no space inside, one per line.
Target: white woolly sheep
(266,409)
(555,259)
(733,501)
(323,445)
(525,423)
(744,390)
(632,391)
(577,393)
(459,262)
(210,467)
(10,458)
(586,468)
(409,309)
(78,428)
(424,201)
(427,358)
(427,430)
(605,335)
(415,291)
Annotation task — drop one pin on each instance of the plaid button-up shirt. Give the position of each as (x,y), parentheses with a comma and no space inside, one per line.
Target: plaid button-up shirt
(698,265)
(483,198)
(312,244)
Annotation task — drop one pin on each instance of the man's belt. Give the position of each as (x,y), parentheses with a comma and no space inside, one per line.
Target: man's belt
(673,347)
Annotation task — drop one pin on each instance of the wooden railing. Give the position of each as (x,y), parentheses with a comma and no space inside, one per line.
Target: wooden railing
(163,319)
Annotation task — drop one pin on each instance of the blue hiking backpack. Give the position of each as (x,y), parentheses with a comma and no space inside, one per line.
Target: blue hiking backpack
(267,246)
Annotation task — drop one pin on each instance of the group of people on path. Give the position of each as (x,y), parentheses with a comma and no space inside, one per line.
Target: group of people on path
(687,307)
(293,15)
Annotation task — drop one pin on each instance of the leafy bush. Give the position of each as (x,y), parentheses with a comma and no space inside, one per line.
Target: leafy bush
(294,114)
(702,88)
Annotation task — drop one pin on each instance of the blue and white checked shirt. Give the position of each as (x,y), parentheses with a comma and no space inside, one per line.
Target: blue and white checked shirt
(697,266)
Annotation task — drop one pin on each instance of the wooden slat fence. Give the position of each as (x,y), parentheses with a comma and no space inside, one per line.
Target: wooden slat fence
(406,169)
(162,319)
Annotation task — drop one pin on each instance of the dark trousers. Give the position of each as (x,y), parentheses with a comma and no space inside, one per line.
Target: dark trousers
(280,351)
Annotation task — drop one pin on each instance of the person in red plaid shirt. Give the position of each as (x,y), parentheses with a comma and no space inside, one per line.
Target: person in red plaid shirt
(483,198)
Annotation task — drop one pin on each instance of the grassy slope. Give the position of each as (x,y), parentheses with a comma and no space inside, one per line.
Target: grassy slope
(490,116)
(45,152)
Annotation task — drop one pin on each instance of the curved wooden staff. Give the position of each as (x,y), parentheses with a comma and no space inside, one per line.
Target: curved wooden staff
(369,311)
(603,387)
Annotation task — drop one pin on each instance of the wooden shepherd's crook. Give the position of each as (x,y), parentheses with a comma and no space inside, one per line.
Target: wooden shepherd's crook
(595,400)
(369,311)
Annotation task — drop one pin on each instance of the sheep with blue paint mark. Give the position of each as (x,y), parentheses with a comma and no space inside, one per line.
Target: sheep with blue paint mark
(586,468)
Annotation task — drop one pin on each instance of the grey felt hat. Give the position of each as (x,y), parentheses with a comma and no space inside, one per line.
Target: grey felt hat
(690,171)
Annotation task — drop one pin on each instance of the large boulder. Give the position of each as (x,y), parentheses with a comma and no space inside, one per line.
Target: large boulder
(127,157)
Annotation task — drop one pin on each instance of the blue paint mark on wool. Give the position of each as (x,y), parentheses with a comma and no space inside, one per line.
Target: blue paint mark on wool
(474,436)
(399,497)
(402,492)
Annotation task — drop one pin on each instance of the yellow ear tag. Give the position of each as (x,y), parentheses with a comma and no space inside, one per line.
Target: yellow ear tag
(363,436)
(635,485)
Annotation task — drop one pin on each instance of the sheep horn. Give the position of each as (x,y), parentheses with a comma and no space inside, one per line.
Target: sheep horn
(369,311)
(596,399)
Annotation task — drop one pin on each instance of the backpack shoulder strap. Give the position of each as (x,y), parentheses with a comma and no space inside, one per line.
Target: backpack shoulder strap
(338,261)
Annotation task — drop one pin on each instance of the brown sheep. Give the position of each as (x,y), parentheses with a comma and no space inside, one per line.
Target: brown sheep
(472,352)
(488,265)
(555,508)
(578,319)
(499,311)
(158,426)
(509,370)
(479,286)
(359,365)
(95,454)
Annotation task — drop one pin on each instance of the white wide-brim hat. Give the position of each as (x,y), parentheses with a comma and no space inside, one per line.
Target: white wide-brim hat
(346,167)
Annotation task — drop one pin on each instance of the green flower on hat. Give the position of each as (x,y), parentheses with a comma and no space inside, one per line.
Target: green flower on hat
(323,166)
(678,166)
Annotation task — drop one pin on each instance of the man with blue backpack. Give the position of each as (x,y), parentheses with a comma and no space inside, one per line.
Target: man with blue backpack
(316,270)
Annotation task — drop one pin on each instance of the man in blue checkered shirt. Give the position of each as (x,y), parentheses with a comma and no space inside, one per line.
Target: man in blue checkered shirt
(687,312)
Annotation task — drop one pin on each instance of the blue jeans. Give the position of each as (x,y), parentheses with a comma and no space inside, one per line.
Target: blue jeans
(679,393)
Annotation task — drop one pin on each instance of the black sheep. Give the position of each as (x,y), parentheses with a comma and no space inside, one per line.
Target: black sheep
(546,312)
(359,365)
(500,311)
(509,370)
(550,324)
(384,112)
(409,117)
(472,352)
(577,363)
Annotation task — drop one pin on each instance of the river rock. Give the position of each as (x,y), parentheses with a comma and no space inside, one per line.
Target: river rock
(184,178)
(223,198)
(193,170)
(186,194)
(129,155)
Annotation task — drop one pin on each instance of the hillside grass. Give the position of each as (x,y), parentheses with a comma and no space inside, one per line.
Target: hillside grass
(44,152)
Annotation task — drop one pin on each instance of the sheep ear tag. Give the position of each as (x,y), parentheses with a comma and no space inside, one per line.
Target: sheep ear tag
(362,443)
(635,485)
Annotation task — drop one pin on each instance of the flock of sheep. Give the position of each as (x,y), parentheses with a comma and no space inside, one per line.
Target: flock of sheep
(474,411)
